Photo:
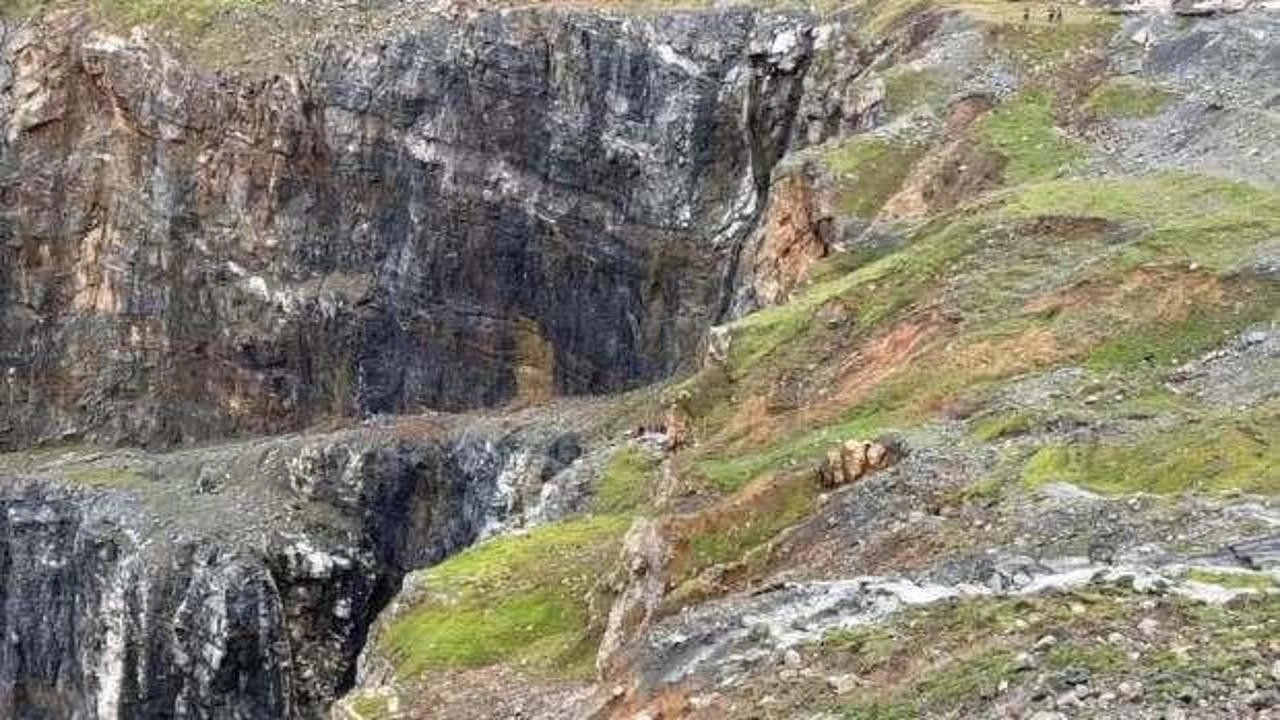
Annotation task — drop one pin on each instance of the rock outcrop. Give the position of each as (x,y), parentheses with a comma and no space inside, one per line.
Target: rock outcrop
(854,460)
(234,582)
(484,210)
(794,234)
(643,581)
(237,310)
(505,207)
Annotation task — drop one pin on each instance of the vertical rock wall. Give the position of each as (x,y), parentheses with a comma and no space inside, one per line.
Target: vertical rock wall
(522,204)
(234,582)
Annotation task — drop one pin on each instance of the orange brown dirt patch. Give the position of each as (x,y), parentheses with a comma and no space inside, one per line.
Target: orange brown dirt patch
(820,551)
(959,171)
(669,703)
(953,173)
(750,424)
(851,380)
(770,500)
(761,496)
(1073,84)
(1147,294)
(791,241)
(878,359)
(906,550)
(967,363)
(962,112)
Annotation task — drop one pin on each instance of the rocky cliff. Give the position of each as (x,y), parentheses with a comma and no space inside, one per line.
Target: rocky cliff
(471,212)
(935,347)
(468,213)
(239,581)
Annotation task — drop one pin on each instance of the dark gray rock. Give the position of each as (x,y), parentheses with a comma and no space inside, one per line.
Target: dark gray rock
(510,206)
(520,203)
(153,598)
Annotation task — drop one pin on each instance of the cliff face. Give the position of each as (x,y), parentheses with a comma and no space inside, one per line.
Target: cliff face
(507,208)
(1021,379)
(519,205)
(233,582)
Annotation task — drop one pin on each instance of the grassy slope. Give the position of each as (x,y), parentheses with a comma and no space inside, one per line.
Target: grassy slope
(1115,306)
(522,598)
(1123,277)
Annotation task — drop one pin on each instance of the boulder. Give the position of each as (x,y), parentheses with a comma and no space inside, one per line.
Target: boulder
(853,460)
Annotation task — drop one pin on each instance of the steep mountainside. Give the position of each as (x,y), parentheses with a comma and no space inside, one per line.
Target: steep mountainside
(508,207)
(888,360)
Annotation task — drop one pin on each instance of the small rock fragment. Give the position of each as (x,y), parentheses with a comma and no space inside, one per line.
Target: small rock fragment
(842,684)
(1024,661)
(1263,699)
(1131,691)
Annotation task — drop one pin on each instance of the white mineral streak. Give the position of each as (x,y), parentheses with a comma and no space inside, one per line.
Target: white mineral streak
(109,667)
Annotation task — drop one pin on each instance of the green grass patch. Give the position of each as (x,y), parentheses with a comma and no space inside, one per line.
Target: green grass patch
(987,490)
(78,464)
(731,473)
(785,336)
(627,483)
(26,8)
(871,645)
(967,678)
(906,89)
(1215,454)
(878,17)
(1039,46)
(1161,344)
(731,543)
(1243,580)
(370,706)
(113,477)
(537,626)
(871,170)
(1003,425)
(1127,98)
(43,456)
(1230,639)
(1153,402)
(1024,131)
(987,262)
(1098,658)
(949,659)
(972,677)
(520,598)
(876,292)
(187,16)
(1186,218)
